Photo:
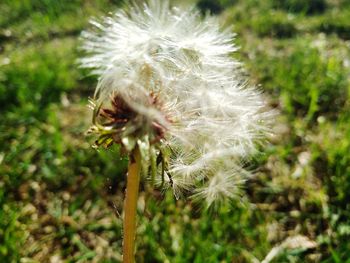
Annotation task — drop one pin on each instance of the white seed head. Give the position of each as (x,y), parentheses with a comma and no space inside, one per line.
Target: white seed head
(214,118)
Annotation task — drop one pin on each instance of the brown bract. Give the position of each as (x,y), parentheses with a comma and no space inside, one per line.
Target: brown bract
(121,120)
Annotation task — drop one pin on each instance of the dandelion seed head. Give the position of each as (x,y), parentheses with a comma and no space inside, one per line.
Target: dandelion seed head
(212,117)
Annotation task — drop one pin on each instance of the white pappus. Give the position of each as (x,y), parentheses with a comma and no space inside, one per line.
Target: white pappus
(212,119)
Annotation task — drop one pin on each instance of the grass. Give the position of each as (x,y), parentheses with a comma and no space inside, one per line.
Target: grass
(60,200)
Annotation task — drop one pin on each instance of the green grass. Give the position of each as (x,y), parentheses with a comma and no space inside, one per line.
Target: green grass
(60,199)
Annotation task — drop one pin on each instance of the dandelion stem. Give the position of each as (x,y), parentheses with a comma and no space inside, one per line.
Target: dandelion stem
(130,204)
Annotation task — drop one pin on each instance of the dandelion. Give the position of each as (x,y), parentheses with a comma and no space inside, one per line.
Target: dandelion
(171,95)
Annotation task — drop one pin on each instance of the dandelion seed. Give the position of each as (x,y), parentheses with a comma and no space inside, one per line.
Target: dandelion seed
(168,84)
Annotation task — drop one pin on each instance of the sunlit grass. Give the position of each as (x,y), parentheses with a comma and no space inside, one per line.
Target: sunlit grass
(60,199)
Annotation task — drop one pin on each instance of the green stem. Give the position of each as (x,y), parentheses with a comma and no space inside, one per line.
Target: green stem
(130,205)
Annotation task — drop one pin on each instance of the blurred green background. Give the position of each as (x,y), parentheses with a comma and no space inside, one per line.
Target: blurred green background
(60,200)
